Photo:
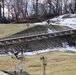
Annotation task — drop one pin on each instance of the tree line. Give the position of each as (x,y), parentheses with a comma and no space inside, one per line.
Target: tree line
(35,9)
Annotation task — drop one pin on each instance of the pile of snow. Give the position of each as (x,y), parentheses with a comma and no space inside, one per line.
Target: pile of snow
(3,54)
(50,31)
(67,48)
(63,49)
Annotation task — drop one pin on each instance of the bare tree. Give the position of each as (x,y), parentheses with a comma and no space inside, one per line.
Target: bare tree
(3,7)
(35,7)
(49,2)
(19,8)
(71,7)
(65,6)
(16,7)
(75,7)
(26,5)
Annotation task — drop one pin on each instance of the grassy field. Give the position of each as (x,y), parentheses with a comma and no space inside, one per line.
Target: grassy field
(10,29)
(58,63)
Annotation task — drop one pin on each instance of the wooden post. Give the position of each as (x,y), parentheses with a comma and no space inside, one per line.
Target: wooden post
(44,65)
(21,71)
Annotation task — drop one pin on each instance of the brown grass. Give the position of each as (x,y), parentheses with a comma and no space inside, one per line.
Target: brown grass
(58,63)
(10,29)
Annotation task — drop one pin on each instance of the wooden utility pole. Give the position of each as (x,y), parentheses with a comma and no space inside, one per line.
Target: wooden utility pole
(21,70)
(44,65)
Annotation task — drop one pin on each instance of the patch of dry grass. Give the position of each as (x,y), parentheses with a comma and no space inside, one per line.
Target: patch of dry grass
(58,63)
(10,29)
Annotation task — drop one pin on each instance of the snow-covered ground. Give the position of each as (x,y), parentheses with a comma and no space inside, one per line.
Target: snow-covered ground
(63,20)
(49,30)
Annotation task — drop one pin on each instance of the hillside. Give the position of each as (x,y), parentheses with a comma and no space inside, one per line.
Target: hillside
(10,29)
(58,63)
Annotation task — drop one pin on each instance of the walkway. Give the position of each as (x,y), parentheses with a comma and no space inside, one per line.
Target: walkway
(34,36)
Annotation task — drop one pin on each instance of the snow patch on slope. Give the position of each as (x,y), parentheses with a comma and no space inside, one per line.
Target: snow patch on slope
(67,48)
(65,20)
